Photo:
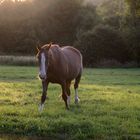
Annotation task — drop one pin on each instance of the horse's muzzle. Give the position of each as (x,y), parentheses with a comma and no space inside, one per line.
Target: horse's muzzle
(42,77)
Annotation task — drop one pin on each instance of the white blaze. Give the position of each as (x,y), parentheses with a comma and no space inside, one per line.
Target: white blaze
(42,67)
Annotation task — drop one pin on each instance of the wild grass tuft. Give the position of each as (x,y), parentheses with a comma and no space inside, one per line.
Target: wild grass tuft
(18,60)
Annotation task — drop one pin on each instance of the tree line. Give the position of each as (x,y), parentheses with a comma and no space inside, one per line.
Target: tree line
(106,31)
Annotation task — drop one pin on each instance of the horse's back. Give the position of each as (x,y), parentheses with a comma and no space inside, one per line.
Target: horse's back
(71,50)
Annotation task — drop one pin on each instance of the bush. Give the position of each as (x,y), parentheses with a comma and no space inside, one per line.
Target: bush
(18,60)
(102,42)
(132,36)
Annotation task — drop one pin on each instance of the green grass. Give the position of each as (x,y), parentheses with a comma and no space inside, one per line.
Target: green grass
(109,106)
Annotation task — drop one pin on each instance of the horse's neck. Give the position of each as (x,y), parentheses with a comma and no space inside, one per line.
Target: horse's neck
(56,59)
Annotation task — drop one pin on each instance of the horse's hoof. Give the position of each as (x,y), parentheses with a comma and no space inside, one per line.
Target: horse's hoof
(68,100)
(77,100)
(41,106)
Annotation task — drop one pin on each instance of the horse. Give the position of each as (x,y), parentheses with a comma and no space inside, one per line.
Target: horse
(59,65)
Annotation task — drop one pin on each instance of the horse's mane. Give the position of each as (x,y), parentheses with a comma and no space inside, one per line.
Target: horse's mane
(53,45)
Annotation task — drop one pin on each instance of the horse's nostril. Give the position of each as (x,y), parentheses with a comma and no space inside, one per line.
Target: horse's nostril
(42,76)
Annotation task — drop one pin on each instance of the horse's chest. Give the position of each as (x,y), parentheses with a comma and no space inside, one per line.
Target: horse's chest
(54,78)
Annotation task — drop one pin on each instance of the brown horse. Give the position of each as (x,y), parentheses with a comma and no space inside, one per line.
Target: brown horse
(59,65)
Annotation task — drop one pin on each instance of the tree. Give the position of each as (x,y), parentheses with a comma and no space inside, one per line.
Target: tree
(102,42)
(113,13)
(87,18)
(134,10)
(58,20)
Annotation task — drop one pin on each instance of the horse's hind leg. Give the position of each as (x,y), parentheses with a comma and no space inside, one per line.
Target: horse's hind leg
(76,84)
(64,94)
(68,84)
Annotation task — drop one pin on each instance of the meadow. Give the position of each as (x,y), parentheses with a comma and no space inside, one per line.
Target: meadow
(109,105)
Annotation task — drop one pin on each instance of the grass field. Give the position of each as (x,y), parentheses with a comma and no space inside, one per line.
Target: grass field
(109,106)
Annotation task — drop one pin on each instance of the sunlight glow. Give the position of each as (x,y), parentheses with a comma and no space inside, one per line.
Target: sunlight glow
(1,1)
(18,0)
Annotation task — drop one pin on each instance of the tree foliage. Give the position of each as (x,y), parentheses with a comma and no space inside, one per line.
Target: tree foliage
(108,30)
(102,43)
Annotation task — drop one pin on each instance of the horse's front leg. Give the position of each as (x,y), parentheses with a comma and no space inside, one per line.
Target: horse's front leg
(44,94)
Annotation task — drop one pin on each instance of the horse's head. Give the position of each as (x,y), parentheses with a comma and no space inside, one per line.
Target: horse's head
(42,57)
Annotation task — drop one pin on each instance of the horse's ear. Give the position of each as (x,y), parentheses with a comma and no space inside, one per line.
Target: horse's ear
(49,45)
(38,46)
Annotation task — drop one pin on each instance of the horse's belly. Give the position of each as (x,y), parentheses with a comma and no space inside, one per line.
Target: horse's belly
(73,72)
(74,62)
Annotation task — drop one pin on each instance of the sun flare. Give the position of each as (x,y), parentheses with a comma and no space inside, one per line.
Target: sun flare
(18,0)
